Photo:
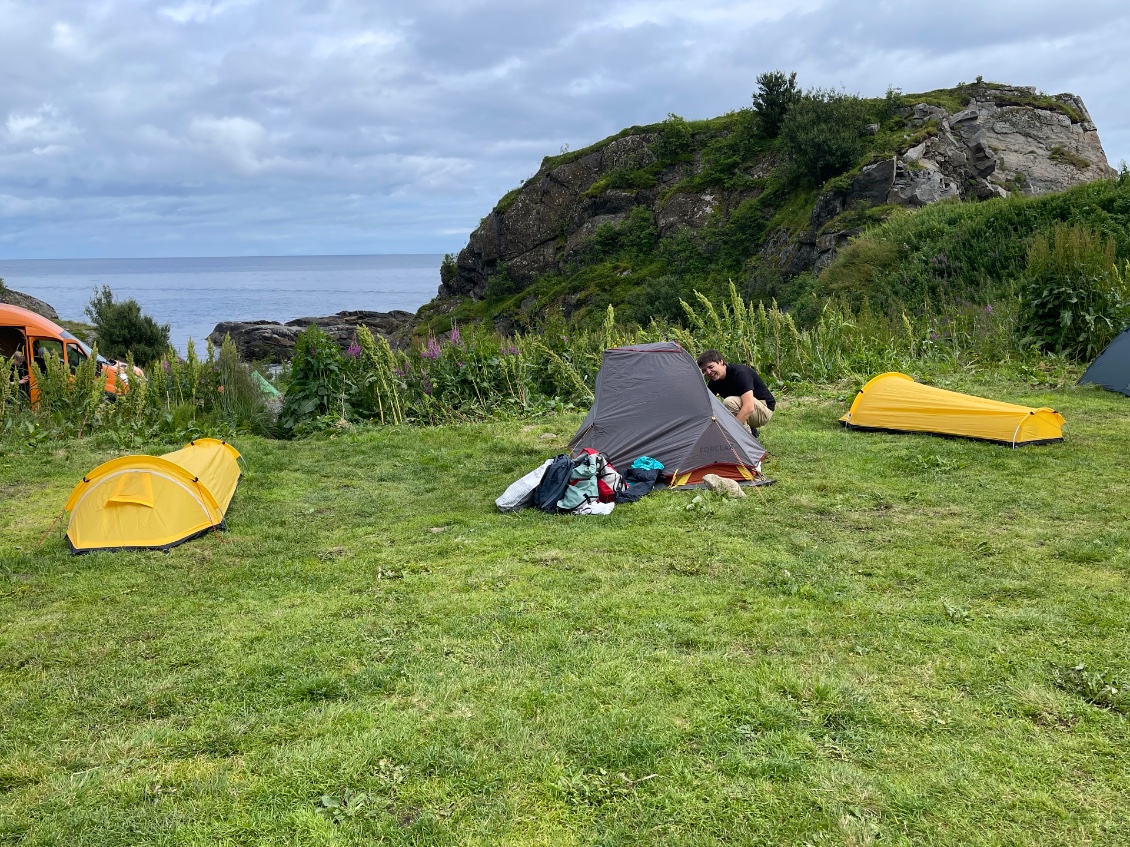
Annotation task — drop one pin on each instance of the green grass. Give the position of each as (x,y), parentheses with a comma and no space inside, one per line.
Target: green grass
(872,650)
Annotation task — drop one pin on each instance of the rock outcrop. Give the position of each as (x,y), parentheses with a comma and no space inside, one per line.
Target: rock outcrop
(267,341)
(994,147)
(1002,141)
(26,301)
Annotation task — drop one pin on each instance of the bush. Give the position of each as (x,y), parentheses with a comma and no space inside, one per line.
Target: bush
(676,142)
(1073,298)
(123,330)
(823,134)
(632,240)
(776,95)
(448,269)
(70,400)
(500,285)
(316,390)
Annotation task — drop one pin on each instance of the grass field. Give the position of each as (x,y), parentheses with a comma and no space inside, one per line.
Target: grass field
(882,647)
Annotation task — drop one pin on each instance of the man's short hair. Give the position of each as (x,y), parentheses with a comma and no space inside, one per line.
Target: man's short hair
(709,356)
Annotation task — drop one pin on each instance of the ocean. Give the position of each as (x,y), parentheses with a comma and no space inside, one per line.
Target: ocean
(193,295)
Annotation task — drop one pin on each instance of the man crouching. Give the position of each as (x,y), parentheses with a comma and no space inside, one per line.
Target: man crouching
(741,389)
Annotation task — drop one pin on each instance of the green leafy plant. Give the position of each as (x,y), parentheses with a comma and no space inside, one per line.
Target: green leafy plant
(346,806)
(676,142)
(68,401)
(776,94)
(11,395)
(122,329)
(316,388)
(500,284)
(1099,688)
(823,134)
(239,401)
(448,269)
(1073,298)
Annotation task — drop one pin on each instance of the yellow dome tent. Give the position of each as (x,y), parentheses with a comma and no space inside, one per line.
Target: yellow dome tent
(896,403)
(153,502)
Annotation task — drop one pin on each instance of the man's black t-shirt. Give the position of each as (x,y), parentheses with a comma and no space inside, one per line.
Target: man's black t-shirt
(738,380)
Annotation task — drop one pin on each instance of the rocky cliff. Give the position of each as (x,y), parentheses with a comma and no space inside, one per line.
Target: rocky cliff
(623,218)
(972,143)
(26,301)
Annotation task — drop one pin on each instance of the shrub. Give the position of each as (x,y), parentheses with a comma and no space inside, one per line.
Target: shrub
(776,94)
(239,401)
(316,390)
(634,238)
(122,329)
(823,134)
(675,143)
(1073,298)
(70,401)
(448,269)
(12,397)
(737,238)
(500,284)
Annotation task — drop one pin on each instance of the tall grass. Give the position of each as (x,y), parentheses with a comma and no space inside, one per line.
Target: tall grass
(854,344)
(475,374)
(976,251)
(178,399)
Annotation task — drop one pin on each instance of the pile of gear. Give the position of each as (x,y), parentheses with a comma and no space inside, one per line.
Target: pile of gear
(585,485)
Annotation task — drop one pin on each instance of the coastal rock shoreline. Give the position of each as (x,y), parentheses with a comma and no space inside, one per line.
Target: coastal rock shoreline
(273,342)
(26,301)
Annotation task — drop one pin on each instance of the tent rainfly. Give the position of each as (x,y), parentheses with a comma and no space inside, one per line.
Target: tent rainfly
(153,502)
(651,400)
(1111,369)
(894,402)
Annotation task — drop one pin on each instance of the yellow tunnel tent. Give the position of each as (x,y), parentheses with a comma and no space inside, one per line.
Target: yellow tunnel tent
(153,502)
(894,402)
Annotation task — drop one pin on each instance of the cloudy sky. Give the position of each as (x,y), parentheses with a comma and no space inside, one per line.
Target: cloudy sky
(142,128)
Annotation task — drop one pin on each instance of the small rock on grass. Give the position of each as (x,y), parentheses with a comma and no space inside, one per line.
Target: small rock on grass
(726,486)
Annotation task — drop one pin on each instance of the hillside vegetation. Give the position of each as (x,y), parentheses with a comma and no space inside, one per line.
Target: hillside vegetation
(771,175)
(972,251)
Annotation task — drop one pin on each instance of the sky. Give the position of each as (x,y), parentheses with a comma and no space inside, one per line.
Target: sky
(153,128)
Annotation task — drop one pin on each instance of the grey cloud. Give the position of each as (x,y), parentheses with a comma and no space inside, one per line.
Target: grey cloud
(197,127)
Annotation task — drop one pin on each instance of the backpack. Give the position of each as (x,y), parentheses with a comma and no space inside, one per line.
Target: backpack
(553,483)
(608,481)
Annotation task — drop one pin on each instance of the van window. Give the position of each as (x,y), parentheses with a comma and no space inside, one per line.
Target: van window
(75,356)
(43,346)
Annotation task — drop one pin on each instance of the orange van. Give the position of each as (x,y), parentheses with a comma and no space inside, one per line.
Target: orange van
(22,330)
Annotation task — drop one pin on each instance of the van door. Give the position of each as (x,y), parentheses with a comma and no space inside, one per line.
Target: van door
(11,339)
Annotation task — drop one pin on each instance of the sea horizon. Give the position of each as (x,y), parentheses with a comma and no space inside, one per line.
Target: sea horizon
(195,293)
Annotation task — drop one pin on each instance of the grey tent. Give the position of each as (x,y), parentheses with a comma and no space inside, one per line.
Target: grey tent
(1112,367)
(651,400)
